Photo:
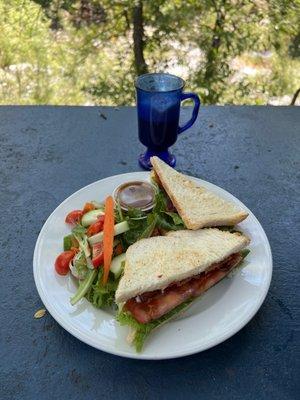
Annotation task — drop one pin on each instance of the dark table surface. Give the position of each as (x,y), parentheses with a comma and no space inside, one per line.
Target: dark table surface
(47,153)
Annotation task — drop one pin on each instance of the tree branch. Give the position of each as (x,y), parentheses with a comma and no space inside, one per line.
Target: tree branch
(296,94)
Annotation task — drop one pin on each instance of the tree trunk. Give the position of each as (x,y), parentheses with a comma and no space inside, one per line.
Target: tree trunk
(212,58)
(138,38)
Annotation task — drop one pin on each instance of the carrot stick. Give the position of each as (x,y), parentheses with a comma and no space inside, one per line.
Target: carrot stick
(108,236)
(88,207)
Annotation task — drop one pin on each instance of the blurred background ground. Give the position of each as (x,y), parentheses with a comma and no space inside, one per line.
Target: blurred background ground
(89,51)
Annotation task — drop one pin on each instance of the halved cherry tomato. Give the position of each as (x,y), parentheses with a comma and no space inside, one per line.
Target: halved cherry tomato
(97,253)
(96,227)
(88,207)
(74,217)
(62,262)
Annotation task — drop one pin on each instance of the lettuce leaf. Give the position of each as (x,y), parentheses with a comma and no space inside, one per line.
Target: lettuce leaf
(142,331)
(102,296)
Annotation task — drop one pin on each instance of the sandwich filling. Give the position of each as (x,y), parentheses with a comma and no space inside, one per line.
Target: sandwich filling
(151,306)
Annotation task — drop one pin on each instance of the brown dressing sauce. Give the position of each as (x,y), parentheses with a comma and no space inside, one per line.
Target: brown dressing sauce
(137,194)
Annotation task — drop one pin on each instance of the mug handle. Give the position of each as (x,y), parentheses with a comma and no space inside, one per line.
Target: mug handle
(197,103)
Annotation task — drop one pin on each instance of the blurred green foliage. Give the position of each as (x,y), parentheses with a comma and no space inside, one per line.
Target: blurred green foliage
(89,51)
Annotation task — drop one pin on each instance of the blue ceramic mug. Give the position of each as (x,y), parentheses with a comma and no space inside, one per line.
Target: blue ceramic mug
(158,106)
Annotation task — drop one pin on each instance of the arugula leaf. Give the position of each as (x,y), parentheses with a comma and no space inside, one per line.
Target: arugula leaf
(175,217)
(151,221)
(167,220)
(142,331)
(161,202)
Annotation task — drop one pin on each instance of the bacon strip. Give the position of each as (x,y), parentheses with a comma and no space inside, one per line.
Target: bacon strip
(153,305)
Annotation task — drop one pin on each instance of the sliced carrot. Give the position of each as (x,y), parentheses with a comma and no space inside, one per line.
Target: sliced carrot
(88,207)
(108,236)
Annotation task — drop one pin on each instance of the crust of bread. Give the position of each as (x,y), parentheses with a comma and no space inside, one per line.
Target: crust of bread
(197,206)
(156,262)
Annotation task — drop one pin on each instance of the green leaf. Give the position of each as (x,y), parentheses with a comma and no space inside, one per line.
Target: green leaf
(135,213)
(151,221)
(175,217)
(69,242)
(119,214)
(79,230)
(164,223)
(102,295)
(161,202)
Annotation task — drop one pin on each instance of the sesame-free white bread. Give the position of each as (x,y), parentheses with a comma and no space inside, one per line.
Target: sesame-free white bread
(156,262)
(197,206)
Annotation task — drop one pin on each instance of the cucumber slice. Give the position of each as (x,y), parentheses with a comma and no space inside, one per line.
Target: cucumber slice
(119,228)
(91,217)
(116,265)
(98,205)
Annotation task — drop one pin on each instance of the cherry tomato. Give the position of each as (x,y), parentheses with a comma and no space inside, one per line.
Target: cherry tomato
(97,252)
(62,262)
(118,249)
(96,227)
(88,207)
(74,217)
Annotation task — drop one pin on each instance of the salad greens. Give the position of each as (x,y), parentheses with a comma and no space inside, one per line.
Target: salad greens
(142,224)
(99,295)
(139,225)
(166,219)
(94,291)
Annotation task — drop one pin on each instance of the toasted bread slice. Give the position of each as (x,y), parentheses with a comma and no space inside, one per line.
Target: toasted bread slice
(197,206)
(156,262)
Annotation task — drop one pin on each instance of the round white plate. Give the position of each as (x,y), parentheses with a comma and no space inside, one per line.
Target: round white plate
(217,315)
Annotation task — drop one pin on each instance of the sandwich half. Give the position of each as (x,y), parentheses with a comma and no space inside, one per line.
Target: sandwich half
(164,274)
(197,206)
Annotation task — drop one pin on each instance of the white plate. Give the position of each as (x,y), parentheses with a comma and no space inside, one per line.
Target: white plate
(213,318)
